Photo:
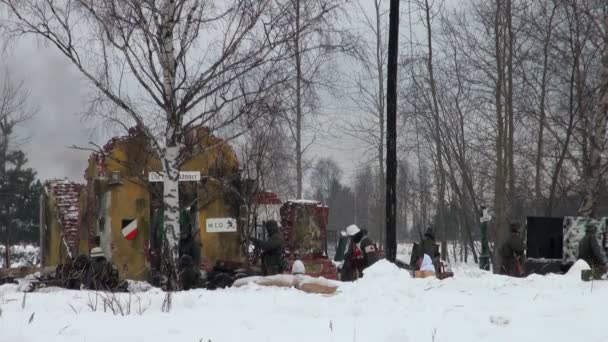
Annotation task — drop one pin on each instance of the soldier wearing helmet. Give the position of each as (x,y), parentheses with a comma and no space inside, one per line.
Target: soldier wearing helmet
(589,249)
(363,251)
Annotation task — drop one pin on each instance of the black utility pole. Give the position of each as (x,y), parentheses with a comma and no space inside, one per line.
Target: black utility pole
(391,133)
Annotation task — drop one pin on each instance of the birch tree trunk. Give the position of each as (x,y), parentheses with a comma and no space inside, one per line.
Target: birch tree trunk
(597,140)
(173,135)
(541,120)
(439,167)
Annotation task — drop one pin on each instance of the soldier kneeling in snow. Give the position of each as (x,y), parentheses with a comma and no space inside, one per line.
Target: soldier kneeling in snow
(361,254)
(102,274)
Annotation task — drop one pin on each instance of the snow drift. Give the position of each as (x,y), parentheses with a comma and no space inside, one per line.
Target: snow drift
(386,305)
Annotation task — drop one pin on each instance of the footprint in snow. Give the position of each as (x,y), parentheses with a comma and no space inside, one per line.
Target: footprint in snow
(499,320)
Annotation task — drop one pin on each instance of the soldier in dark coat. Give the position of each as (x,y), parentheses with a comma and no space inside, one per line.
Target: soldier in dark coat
(272,249)
(97,277)
(590,251)
(353,259)
(369,251)
(511,252)
(189,243)
(429,247)
(189,275)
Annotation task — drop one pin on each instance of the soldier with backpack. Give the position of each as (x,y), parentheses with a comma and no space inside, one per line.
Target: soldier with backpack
(363,248)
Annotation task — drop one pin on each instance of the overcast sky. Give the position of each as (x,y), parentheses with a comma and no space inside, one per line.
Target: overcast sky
(55,88)
(59,92)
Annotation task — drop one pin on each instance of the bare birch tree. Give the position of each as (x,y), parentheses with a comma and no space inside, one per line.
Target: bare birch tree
(369,93)
(314,37)
(598,116)
(167,66)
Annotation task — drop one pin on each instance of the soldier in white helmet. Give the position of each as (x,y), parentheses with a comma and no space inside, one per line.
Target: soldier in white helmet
(361,254)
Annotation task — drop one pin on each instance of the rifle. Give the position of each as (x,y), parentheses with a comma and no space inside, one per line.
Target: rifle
(253,257)
(519,270)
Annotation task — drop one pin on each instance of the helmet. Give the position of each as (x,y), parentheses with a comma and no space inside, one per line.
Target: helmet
(272,227)
(429,233)
(97,252)
(298,267)
(352,230)
(185,260)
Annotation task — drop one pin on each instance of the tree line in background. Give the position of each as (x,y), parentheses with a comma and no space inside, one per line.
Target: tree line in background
(19,189)
(502,103)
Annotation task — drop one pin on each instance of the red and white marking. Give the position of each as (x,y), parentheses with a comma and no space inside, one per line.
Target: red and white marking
(129,232)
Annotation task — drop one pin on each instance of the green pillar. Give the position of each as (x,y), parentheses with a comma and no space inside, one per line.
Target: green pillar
(484,258)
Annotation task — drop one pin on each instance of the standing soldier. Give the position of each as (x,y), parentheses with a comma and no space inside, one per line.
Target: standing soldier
(511,252)
(590,251)
(272,249)
(189,274)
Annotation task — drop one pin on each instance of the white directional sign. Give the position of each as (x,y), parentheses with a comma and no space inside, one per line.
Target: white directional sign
(221,225)
(184,176)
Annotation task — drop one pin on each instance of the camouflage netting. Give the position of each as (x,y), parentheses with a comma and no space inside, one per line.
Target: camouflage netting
(308,233)
(574,230)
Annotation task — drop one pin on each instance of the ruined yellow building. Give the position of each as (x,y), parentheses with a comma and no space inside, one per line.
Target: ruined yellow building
(59,221)
(120,207)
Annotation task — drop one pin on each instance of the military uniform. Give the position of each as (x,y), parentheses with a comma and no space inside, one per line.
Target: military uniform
(430,248)
(272,250)
(511,252)
(590,251)
(363,253)
(353,262)
(369,251)
(189,275)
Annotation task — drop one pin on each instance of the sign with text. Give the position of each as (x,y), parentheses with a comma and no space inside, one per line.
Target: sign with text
(221,225)
(184,176)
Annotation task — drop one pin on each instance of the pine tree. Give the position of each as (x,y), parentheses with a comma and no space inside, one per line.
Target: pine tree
(19,202)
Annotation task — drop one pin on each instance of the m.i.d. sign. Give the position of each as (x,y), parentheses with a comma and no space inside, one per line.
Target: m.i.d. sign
(221,225)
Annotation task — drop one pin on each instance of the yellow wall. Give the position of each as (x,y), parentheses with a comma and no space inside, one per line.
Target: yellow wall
(55,252)
(218,246)
(129,201)
(213,203)
(127,157)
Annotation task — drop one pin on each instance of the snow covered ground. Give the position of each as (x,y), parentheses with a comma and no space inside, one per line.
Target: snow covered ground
(386,305)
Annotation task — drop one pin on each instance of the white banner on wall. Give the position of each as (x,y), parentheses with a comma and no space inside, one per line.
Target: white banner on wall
(221,225)
(184,176)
